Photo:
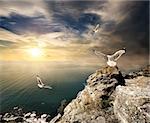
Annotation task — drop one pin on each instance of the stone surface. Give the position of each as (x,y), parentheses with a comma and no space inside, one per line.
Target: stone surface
(132,102)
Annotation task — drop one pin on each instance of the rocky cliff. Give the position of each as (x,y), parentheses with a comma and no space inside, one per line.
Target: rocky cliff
(110,97)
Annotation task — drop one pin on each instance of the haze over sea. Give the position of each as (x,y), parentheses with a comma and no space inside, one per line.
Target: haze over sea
(18,85)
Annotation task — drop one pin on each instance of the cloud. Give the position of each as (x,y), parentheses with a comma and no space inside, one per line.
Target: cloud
(23,7)
(47,16)
(134,30)
(124,24)
(72,14)
(24,24)
(5,43)
(63,27)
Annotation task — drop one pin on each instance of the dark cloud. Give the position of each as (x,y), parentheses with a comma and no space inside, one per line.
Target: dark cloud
(80,24)
(74,7)
(108,26)
(65,15)
(72,14)
(20,24)
(134,29)
(123,24)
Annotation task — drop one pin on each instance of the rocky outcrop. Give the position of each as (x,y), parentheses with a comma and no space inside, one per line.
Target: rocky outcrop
(18,116)
(94,103)
(132,102)
(110,97)
(142,72)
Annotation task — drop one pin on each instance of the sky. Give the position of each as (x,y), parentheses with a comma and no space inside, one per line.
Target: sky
(45,30)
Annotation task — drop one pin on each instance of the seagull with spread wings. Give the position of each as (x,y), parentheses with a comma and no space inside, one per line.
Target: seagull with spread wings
(41,84)
(111,59)
(94,30)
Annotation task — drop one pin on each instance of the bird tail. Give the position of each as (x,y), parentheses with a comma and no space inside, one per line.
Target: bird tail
(47,87)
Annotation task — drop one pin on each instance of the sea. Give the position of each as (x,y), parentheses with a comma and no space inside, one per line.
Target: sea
(18,86)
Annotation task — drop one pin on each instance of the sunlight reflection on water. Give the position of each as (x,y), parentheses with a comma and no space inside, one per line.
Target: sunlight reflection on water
(19,88)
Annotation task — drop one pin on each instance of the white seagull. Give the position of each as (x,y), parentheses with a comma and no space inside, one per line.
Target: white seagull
(111,59)
(95,30)
(41,84)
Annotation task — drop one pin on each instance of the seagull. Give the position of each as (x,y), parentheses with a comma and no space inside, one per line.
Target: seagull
(111,59)
(41,84)
(95,30)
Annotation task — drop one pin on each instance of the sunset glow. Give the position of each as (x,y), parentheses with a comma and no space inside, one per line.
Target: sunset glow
(35,52)
(68,31)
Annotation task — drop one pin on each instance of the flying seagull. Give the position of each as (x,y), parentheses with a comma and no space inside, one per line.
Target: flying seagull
(95,30)
(41,84)
(111,59)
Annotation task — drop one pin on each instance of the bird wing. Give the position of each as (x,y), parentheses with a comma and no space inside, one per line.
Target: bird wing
(100,54)
(39,81)
(118,54)
(96,28)
(48,87)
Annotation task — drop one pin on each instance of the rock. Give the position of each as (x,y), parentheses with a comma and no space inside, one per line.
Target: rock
(27,115)
(55,118)
(1,117)
(19,119)
(43,115)
(33,115)
(110,97)
(93,104)
(132,102)
(143,72)
(62,106)
(9,117)
(17,116)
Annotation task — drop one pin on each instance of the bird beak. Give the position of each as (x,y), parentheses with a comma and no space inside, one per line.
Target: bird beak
(124,48)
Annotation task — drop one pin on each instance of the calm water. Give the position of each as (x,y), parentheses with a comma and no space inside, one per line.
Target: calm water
(18,85)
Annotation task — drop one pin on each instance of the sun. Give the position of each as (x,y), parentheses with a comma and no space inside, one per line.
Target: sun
(36,52)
